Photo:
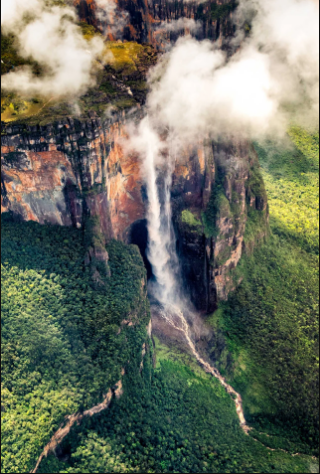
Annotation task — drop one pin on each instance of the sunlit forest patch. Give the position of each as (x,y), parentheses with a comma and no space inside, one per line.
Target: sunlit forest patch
(291,175)
(173,419)
(271,322)
(61,344)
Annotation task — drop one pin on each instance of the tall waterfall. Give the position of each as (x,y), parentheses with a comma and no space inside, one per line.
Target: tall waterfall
(161,244)
(161,250)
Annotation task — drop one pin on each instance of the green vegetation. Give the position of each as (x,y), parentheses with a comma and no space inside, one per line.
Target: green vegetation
(217,207)
(255,184)
(216,12)
(173,419)
(125,103)
(88,31)
(221,207)
(59,3)
(125,56)
(137,85)
(272,327)
(14,107)
(291,176)
(124,65)
(255,228)
(271,321)
(64,341)
(10,59)
(190,219)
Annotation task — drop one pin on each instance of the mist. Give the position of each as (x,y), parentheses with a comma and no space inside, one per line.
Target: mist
(110,17)
(49,36)
(271,80)
(198,90)
(176,26)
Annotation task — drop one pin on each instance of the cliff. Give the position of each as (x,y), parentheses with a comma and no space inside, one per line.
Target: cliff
(142,19)
(70,172)
(220,208)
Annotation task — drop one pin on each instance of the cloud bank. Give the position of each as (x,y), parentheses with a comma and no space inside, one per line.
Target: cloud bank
(50,36)
(198,89)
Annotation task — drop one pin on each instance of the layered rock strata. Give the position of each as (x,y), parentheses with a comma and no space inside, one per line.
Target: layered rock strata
(143,19)
(70,171)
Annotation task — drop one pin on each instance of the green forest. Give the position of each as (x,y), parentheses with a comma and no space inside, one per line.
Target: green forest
(177,420)
(64,343)
(64,346)
(271,322)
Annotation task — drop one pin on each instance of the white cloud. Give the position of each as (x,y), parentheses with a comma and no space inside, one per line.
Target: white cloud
(176,26)
(51,38)
(12,11)
(111,18)
(197,89)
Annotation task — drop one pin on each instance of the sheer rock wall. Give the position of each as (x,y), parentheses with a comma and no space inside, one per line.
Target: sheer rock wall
(71,170)
(143,19)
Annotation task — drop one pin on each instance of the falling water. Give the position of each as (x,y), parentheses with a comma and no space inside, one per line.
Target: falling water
(163,257)
(161,245)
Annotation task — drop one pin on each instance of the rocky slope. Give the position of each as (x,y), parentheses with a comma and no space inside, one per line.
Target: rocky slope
(73,172)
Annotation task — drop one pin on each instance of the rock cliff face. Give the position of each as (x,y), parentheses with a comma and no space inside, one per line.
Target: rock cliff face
(220,205)
(143,19)
(64,172)
(73,171)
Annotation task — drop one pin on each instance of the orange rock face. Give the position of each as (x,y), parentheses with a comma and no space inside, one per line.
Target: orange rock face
(49,185)
(64,173)
(33,185)
(124,184)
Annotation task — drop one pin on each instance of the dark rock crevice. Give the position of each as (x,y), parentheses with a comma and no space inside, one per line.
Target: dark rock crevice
(138,235)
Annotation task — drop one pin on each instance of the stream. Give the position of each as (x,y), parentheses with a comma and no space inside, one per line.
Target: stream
(184,328)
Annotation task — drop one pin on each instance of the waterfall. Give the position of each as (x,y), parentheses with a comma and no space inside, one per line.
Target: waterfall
(161,250)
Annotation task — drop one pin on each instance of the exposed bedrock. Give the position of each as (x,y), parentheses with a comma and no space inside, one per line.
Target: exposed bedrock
(143,19)
(72,173)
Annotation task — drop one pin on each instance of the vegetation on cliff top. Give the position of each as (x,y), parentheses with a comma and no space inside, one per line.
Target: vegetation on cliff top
(64,342)
(121,83)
